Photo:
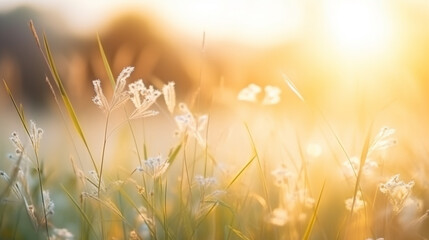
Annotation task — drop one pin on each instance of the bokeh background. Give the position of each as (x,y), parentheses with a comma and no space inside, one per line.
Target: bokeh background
(357,62)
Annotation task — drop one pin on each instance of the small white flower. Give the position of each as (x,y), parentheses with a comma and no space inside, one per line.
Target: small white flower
(278,217)
(282,176)
(16,141)
(359,204)
(383,140)
(397,192)
(351,167)
(142,98)
(99,99)
(205,182)
(62,233)
(48,203)
(249,93)
(187,123)
(35,135)
(169,96)
(272,95)
(119,95)
(156,166)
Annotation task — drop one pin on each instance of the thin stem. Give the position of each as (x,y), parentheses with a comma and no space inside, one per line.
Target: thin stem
(103,153)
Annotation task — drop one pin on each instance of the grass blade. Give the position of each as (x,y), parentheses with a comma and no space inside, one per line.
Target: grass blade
(80,210)
(105,62)
(19,110)
(173,153)
(66,99)
(314,216)
(241,171)
(292,87)
(362,163)
(261,170)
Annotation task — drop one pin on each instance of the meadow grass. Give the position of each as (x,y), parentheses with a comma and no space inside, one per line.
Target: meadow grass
(231,181)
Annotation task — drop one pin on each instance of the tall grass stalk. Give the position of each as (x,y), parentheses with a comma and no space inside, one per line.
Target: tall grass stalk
(34,143)
(47,56)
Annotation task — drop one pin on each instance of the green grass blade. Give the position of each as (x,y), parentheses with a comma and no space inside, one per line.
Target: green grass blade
(19,110)
(241,171)
(66,100)
(173,153)
(314,216)
(80,210)
(105,62)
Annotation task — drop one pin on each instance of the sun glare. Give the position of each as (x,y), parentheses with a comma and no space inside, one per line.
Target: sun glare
(358,27)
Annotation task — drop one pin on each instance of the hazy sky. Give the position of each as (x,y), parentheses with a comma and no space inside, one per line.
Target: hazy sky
(252,20)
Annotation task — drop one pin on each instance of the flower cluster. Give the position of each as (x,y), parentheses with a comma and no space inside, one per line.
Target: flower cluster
(294,198)
(205,182)
(16,141)
(188,124)
(155,166)
(249,94)
(356,203)
(352,166)
(382,140)
(397,192)
(141,96)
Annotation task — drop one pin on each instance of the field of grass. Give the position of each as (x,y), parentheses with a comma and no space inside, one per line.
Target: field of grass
(138,165)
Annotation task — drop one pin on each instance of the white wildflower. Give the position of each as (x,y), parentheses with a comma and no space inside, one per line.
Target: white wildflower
(249,93)
(99,99)
(62,234)
(17,143)
(282,176)
(272,95)
(169,96)
(359,204)
(119,95)
(187,123)
(142,98)
(397,192)
(383,140)
(278,217)
(351,167)
(205,182)
(155,166)
(35,135)
(48,203)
